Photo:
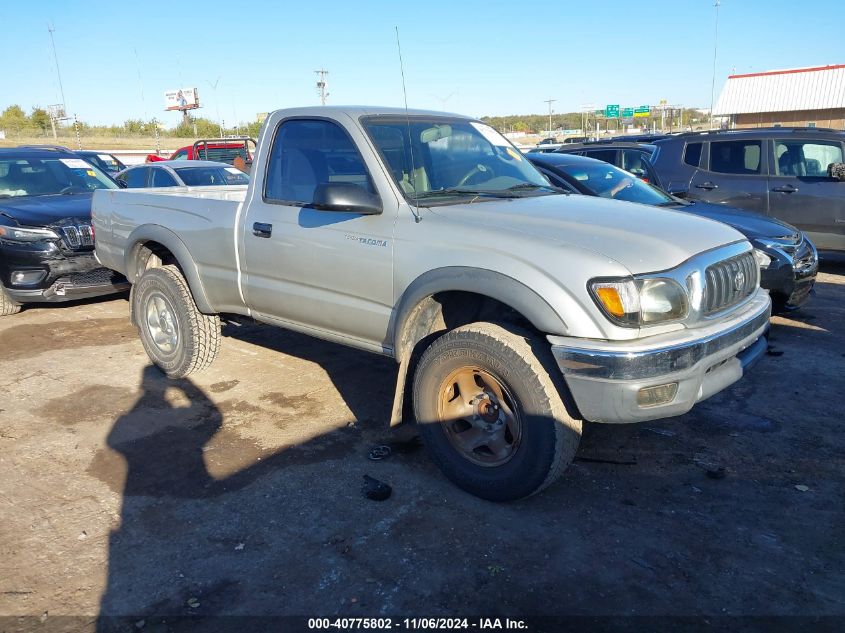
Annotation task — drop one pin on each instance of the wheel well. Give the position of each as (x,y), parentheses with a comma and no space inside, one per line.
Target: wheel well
(444,311)
(432,317)
(151,254)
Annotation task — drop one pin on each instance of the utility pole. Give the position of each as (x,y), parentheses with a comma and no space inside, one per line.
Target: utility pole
(322,85)
(550,102)
(715,48)
(51,30)
(216,104)
(53,117)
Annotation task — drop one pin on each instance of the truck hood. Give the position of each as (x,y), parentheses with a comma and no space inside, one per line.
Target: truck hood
(45,210)
(642,239)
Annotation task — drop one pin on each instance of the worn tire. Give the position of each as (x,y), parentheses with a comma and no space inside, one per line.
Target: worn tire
(522,362)
(7,306)
(197,338)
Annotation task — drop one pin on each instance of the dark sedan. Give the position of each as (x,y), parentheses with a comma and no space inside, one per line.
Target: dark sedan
(788,260)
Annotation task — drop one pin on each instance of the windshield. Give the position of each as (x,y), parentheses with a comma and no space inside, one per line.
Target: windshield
(440,157)
(607,181)
(203,176)
(47,176)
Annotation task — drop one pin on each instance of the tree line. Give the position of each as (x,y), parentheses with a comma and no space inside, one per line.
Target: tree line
(16,123)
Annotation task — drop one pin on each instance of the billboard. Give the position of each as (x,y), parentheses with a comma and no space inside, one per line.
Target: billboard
(184,99)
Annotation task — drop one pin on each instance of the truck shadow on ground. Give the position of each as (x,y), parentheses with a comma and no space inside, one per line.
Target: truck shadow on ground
(191,545)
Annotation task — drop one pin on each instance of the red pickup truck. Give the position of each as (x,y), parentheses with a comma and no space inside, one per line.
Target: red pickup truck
(232,150)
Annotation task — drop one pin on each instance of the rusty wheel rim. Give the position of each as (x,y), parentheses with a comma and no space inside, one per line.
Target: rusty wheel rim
(479,416)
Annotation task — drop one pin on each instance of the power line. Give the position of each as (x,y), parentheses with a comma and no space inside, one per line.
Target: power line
(51,29)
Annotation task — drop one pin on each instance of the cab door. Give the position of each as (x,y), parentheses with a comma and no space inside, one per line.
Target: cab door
(802,193)
(327,271)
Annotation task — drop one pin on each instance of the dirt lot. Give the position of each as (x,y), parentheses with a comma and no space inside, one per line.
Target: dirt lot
(239,492)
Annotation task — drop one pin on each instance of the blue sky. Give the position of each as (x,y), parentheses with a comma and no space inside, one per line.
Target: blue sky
(478,58)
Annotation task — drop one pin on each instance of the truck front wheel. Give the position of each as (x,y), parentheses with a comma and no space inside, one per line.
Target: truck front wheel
(177,337)
(487,400)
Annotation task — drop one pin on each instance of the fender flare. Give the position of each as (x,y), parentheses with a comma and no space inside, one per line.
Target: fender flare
(172,242)
(479,281)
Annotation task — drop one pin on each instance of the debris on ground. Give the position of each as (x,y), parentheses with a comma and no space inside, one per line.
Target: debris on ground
(375,489)
(802,488)
(624,460)
(193,603)
(378,453)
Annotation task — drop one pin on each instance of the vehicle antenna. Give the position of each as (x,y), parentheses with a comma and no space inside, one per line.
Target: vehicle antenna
(416,207)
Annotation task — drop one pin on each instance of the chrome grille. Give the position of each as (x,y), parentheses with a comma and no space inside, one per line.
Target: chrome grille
(728,282)
(78,235)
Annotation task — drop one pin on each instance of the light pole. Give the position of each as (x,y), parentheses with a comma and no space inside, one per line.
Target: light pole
(550,102)
(715,48)
(216,103)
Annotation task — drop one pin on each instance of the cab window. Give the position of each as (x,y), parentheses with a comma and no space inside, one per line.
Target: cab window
(310,153)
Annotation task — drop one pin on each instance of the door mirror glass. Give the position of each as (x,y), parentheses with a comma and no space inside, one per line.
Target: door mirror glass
(836,171)
(345,196)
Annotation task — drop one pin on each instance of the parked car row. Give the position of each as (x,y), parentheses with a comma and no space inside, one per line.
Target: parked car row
(46,237)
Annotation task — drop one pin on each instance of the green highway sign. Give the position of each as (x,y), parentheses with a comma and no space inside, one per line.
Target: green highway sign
(627,112)
(642,111)
(611,111)
(599,112)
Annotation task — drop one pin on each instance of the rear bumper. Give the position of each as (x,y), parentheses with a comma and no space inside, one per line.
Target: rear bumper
(606,377)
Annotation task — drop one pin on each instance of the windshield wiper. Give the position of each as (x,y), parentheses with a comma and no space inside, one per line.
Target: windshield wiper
(530,186)
(454,191)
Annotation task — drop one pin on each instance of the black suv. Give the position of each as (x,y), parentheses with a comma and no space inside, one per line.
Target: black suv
(46,239)
(792,174)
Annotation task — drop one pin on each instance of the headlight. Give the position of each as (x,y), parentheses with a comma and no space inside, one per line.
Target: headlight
(636,302)
(18,234)
(763,260)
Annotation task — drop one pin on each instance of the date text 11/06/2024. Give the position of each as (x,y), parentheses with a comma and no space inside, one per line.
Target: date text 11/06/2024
(385,624)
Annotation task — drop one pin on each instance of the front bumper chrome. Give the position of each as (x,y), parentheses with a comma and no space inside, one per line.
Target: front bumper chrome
(605,377)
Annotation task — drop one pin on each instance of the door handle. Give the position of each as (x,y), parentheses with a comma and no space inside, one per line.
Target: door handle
(786,189)
(260,229)
(707,185)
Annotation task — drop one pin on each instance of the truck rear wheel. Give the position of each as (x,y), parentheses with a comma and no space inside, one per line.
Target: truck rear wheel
(177,337)
(488,404)
(7,306)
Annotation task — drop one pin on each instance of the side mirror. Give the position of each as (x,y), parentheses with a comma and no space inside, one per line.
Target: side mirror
(346,196)
(121,183)
(836,171)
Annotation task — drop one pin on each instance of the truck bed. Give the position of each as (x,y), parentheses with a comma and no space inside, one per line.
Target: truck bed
(202,217)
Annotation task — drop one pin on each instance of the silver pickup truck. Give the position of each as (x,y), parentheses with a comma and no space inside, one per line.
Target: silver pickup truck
(514,310)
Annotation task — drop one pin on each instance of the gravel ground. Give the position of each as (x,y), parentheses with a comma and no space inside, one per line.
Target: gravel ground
(238,492)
